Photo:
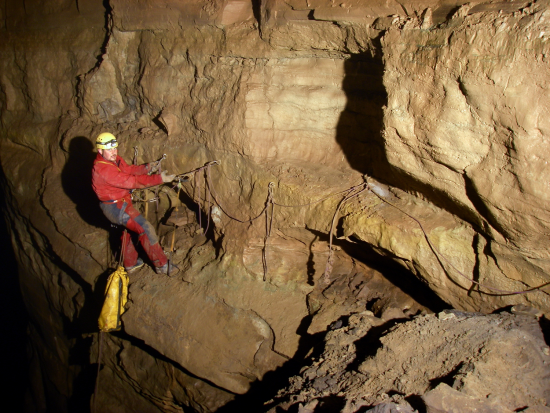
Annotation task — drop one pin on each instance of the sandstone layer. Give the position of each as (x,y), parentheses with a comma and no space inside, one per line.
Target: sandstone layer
(430,117)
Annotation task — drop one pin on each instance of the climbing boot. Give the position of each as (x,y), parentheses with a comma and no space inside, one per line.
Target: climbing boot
(139,264)
(168,271)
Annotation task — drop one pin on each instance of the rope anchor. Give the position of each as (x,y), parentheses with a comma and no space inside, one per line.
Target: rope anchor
(349,193)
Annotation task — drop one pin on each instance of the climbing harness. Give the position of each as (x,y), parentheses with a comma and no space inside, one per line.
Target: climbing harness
(135,199)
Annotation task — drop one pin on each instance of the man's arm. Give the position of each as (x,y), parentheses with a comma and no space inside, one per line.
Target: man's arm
(119,178)
(132,169)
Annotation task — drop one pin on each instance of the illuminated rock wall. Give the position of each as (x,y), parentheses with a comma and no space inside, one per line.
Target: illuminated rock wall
(440,107)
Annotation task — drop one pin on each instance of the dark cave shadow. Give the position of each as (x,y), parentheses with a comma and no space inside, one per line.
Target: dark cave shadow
(368,345)
(327,404)
(137,342)
(80,331)
(545,327)
(359,129)
(84,386)
(76,180)
(448,378)
(360,135)
(414,400)
(14,359)
(84,382)
(476,273)
(79,190)
(480,205)
(311,346)
(543,322)
(87,320)
(396,274)
(310,265)
(261,395)
(417,403)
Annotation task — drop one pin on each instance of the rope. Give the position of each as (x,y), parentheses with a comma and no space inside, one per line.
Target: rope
(269,219)
(315,202)
(267,227)
(101,336)
(123,248)
(159,172)
(205,166)
(439,255)
(208,208)
(349,194)
(215,198)
(330,260)
(198,188)
(99,353)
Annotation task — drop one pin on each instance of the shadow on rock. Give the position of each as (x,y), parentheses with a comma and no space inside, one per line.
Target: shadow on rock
(76,179)
(545,327)
(368,345)
(396,274)
(80,330)
(259,396)
(360,133)
(359,130)
(14,358)
(84,384)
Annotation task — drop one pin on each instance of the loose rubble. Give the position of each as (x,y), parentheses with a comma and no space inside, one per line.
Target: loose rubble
(446,362)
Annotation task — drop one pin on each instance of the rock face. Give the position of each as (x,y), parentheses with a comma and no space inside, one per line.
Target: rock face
(369,363)
(413,131)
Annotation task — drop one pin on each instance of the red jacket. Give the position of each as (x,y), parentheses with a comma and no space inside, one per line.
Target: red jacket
(113,181)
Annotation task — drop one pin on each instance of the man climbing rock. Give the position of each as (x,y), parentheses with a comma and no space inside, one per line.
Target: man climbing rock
(112,180)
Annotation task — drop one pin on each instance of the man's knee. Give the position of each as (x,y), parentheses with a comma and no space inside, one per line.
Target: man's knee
(148,229)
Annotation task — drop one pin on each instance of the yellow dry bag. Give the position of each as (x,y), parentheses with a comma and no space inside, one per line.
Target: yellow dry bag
(116,295)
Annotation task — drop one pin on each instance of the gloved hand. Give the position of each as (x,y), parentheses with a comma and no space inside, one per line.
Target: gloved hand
(166,177)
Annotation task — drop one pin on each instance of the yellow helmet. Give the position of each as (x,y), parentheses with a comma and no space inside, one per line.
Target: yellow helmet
(106,140)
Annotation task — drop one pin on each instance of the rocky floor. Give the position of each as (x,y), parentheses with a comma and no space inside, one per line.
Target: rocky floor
(371,346)
(417,130)
(447,362)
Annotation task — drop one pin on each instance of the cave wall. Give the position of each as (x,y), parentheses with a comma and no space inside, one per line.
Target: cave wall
(440,106)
